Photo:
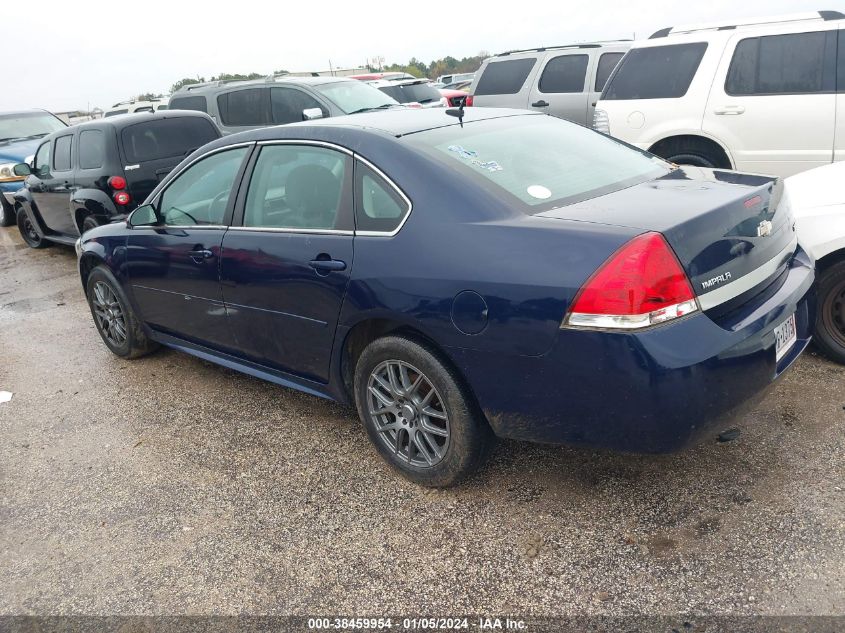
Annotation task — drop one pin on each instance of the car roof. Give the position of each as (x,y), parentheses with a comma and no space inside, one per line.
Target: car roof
(543,49)
(30,111)
(121,121)
(222,86)
(380,83)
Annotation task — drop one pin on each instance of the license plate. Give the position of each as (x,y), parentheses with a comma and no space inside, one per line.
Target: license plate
(785,336)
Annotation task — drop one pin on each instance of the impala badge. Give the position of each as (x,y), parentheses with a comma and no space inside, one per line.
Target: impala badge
(764,228)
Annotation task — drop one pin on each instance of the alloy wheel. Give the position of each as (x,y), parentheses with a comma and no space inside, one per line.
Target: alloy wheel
(109,314)
(409,413)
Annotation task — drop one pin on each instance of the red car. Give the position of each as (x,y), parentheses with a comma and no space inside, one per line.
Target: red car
(453,97)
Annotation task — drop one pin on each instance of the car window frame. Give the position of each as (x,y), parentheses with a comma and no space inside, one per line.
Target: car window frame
(237,221)
(391,184)
(35,172)
(320,103)
(585,81)
(54,153)
(237,186)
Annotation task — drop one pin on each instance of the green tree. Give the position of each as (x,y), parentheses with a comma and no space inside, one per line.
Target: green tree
(187,81)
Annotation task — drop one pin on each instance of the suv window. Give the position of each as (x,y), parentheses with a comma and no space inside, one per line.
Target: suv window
(656,72)
(61,154)
(197,102)
(296,187)
(200,194)
(564,73)
(287,104)
(504,78)
(378,207)
(796,63)
(607,62)
(42,161)
(92,147)
(165,138)
(243,107)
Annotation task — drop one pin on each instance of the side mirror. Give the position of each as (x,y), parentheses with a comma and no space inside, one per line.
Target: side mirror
(22,169)
(145,215)
(309,114)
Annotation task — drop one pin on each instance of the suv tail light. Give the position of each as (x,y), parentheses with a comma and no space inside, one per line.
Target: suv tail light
(117,182)
(468,101)
(640,285)
(122,198)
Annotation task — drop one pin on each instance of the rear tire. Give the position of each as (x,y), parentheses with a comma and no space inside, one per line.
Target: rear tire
(830,316)
(7,213)
(114,317)
(90,222)
(423,421)
(28,232)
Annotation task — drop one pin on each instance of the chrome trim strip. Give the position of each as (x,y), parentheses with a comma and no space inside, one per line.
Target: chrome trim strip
(163,227)
(747,282)
(291,141)
(397,190)
(267,229)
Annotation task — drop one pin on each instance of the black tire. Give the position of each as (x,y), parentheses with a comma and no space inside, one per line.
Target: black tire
(90,222)
(830,316)
(691,151)
(468,441)
(7,213)
(28,232)
(134,343)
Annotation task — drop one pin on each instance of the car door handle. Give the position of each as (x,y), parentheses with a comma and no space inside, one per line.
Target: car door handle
(326,266)
(200,255)
(729,109)
(539,104)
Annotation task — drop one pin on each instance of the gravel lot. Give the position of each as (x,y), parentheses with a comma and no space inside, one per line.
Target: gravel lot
(169,485)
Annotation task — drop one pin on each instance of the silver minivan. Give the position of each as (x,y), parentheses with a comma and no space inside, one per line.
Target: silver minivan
(564,81)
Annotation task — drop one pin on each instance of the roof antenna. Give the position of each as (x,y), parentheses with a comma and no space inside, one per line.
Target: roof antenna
(458,112)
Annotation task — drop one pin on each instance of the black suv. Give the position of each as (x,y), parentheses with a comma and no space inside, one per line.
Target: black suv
(92,173)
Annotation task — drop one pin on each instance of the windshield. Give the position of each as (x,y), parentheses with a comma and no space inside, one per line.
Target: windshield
(539,162)
(408,93)
(355,96)
(24,125)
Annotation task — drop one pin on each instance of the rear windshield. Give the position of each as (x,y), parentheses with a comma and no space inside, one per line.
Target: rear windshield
(655,72)
(539,162)
(420,93)
(504,78)
(189,103)
(166,138)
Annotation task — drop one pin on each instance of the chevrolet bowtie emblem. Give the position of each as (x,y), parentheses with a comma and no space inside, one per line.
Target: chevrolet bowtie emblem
(764,228)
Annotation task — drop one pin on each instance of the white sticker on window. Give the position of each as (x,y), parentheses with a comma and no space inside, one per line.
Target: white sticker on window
(539,191)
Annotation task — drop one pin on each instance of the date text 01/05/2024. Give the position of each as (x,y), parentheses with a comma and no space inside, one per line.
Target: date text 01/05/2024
(417,624)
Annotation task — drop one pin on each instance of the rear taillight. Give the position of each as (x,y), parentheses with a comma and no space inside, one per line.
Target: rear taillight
(468,101)
(640,285)
(117,182)
(122,198)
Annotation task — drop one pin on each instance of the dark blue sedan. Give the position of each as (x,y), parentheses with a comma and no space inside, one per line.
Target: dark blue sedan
(504,274)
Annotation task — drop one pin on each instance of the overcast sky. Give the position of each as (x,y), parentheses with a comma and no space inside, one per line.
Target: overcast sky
(64,56)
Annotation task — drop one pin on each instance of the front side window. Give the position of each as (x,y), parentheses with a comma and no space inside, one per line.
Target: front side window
(92,148)
(564,73)
(61,153)
(42,161)
(378,206)
(287,104)
(796,63)
(504,78)
(297,187)
(656,72)
(607,62)
(196,102)
(243,107)
(200,194)
(166,138)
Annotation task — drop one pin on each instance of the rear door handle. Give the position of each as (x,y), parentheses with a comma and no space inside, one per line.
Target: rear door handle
(325,266)
(729,109)
(539,104)
(200,255)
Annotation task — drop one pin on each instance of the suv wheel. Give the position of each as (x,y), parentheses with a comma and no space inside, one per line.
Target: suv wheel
(830,318)
(116,322)
(7,214)
(422,421)
(692,151)
(28,232)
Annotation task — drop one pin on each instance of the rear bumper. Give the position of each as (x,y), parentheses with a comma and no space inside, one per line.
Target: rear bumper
(652,392)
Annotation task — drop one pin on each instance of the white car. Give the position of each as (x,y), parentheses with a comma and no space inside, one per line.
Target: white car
(756,95)
(817,201)
(130,107)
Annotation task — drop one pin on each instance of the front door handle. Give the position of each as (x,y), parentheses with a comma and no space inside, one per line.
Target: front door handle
(729,110)
(327,265)
(200,255)
(540,104)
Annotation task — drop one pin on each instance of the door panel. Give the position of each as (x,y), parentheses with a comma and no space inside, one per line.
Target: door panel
(51,185)
(562,86)
(773,102)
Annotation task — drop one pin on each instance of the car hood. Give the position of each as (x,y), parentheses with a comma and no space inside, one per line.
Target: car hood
(17,151)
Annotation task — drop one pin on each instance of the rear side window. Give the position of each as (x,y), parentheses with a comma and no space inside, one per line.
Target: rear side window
(378,206)
(188,103)
(287,104)
(243,107)
(797,63)
(61,153)
(656,72)
(565,73)
(166,138)
(504,78)
(607,63)
(92,146)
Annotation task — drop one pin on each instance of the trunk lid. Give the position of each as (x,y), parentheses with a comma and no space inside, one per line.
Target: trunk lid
(723,226)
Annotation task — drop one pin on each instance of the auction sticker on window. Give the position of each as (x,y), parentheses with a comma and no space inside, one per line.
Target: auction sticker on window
(785,336)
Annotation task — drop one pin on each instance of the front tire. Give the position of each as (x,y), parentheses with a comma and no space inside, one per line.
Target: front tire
(416,412)
(830,317)
(28,232)
(114,317)
(7,213)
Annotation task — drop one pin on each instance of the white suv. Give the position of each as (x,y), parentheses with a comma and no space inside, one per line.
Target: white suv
(765,96)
